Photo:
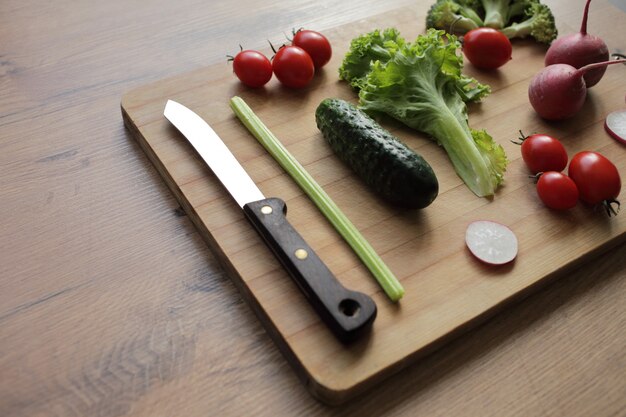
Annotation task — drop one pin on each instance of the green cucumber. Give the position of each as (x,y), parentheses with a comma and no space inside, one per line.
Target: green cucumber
(394,171)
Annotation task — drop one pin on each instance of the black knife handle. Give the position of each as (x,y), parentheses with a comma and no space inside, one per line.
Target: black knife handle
(347,313)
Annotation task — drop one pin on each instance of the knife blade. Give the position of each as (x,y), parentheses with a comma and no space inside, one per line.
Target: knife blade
(347,313)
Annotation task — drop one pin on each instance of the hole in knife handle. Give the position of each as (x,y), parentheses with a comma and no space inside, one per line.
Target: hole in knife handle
(349,307)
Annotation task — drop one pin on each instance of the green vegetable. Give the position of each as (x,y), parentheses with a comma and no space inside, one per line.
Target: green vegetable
(454,16)
(538,23)
(496,12)
(350,233)
(515,18)
(364,50)
(422,86)
(394,171)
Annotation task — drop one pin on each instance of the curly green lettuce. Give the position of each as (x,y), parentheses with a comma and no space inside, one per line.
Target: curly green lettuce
(421,85)
(375,46)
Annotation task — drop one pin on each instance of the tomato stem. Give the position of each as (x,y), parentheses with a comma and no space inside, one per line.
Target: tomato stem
(608,206)
(535,177)
(272,46)
(519,140)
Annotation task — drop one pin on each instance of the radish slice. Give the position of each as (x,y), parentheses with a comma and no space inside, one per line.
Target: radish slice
(491,242)
(615,124)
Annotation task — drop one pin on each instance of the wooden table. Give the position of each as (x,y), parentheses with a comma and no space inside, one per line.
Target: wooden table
(112,305)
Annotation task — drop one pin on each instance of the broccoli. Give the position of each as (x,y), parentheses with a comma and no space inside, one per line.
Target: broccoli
(421,85)
(538,23)
(515,18)
(518,8)
(496,13)
(453,16)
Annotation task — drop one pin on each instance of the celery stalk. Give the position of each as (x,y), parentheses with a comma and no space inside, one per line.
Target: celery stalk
(353,237)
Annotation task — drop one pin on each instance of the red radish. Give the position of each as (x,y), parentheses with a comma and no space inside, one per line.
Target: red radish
(491,242)
(578,50)
(615,124)
(558,91)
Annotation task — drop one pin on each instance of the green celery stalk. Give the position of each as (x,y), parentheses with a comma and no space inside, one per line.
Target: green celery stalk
(327,206)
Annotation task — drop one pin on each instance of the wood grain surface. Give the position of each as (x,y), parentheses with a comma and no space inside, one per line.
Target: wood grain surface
(447,292)
(112,305)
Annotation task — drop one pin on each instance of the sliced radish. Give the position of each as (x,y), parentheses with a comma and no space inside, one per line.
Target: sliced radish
(491,242)
(615,124)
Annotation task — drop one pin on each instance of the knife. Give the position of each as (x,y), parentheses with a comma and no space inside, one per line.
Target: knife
(347,313)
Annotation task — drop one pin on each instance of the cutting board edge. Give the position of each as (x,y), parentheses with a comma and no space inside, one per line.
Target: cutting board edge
(320,389)
(339,397)
(213,245)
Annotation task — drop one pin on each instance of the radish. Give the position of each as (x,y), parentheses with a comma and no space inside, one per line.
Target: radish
(558,91)
(615,124)
(491,242)
(580,49)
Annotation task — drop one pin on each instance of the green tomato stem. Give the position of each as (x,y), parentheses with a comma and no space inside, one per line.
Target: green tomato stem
(327,206)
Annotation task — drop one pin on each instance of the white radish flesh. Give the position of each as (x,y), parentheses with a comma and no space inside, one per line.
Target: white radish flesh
(615,124)
(491,242)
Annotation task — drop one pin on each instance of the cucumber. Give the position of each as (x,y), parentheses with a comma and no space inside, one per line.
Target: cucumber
(395,172)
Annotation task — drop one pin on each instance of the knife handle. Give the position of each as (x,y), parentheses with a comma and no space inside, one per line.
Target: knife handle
(347,313)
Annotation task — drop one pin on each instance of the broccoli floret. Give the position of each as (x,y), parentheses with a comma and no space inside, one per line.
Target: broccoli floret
(499,14)
(453,16)
(475,5)
(518,9)
(496,13)
(538,23)
(519,18)
(421,85)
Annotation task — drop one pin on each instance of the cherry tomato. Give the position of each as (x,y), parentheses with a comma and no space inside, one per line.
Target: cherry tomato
(597,179)
(557,190)
(487,48)
(252,68)
(315,44)
(543,153)
(293,66)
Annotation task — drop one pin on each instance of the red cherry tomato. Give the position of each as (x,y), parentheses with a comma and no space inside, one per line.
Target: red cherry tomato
(543,153)
(487,48)
(293,66)
(597,178)
(557,190)
(316,45)
(252,68)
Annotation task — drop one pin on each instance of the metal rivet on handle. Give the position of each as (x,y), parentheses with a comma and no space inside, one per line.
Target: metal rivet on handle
(301,254)
(266,210)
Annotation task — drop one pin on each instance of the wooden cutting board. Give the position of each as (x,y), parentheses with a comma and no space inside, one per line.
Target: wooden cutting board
(447,290)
